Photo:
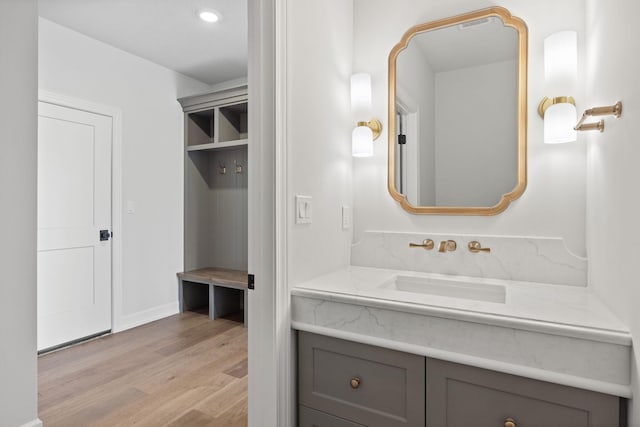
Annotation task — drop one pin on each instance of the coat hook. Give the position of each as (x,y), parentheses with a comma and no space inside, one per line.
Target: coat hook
(222,169)
(238,167)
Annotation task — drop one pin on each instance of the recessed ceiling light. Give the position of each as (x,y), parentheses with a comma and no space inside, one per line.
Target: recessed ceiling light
(209,16)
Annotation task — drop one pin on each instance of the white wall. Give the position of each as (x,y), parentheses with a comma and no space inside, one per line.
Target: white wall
(554,201)
(319,53)
(476,148)
(613,173)
(152,171)
(18,113)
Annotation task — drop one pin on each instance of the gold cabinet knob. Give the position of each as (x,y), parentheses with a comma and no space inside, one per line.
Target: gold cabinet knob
(476,247)
(509,422)
(427,244)
(355,383)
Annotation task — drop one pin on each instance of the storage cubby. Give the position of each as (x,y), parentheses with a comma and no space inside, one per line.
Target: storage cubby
(200,128)
(233,122)
(215,197)
(218,126)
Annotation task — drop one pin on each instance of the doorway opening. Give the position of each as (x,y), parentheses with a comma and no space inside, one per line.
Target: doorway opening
(146,195)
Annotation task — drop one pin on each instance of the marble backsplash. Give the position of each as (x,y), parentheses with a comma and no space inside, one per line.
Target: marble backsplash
(530,259)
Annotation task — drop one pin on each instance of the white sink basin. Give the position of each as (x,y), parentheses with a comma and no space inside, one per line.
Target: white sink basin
(456,288)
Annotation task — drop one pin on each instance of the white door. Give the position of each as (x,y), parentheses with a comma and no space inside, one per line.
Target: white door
(74,205)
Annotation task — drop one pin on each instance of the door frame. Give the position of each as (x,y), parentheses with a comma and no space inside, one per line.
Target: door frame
(271,350)
(407,106)
(116,189)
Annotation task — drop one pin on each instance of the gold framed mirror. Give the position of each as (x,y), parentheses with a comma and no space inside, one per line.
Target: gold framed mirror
(458,114)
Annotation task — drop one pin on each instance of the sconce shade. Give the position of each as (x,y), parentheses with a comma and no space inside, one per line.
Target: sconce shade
(362,142)
(559,120)
(561,61)
(560,72)
(361,95)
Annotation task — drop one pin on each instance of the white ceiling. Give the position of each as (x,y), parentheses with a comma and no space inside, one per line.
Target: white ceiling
(167,32)
(456,47)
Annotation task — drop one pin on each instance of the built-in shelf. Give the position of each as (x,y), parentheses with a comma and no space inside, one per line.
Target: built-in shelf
(217,276)
(218,145)
(215,200)
(225,291)
(217,126)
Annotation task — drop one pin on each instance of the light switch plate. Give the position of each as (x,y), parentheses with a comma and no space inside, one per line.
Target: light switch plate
(347,218)
(303,209)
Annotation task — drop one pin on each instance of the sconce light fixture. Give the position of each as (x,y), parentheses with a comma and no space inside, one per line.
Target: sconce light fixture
(366,131)
(559,113)
(560,72)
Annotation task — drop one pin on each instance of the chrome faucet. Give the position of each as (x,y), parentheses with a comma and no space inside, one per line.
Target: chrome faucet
(447,246)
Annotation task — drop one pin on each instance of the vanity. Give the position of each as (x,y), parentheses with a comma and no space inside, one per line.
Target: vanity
(390,347)
(444,330)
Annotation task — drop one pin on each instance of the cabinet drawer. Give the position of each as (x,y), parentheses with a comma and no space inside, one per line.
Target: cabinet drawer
(463,396)
(387,388)
(312,418)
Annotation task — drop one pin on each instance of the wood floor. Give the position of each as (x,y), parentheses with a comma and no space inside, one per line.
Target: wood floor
(182,371)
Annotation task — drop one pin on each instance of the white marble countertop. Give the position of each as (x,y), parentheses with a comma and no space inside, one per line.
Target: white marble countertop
(556,333)
(571,311)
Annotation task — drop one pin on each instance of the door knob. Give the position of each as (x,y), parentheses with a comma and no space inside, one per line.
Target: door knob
(105,235)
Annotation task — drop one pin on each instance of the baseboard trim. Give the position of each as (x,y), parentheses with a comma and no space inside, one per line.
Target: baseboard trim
(146,316)
(35,423)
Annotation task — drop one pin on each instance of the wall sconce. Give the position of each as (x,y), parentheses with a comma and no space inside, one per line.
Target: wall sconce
(366,132)
(560,70)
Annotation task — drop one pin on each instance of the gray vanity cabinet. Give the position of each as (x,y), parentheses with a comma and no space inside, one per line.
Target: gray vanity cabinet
(463,396)
(347,384)
(311,418)
(358,384)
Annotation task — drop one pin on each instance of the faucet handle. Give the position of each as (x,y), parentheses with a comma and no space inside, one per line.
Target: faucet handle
(427,244)
(476,247)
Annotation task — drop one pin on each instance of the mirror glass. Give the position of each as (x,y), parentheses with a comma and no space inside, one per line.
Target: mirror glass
(457,108)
